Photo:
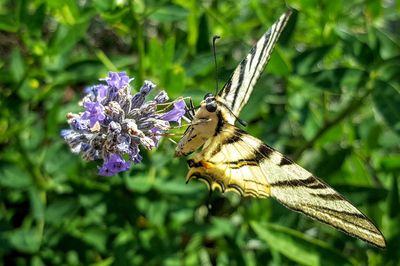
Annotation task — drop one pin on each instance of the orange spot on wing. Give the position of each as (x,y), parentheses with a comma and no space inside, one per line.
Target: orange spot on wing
(207,165)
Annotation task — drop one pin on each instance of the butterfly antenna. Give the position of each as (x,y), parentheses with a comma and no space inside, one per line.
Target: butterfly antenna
(243,123)
(215,37)
(192,108)
(173,141)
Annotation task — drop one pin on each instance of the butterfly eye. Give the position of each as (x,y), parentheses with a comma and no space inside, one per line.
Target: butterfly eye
(211,106)
(208,95)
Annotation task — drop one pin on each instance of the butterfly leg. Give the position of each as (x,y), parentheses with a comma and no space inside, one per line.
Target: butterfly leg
(190,111)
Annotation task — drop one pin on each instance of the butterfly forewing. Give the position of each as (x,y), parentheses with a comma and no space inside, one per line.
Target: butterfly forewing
(242,163)
(237,90)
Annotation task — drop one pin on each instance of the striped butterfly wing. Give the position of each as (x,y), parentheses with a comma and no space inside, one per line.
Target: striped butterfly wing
(236,92)
(236,161)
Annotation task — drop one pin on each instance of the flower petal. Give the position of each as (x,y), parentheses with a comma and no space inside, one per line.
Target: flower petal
(114,165)
(176,113)
(94,112)
(161,97)
(117,80)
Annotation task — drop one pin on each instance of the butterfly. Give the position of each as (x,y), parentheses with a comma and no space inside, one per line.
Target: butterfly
(232,160)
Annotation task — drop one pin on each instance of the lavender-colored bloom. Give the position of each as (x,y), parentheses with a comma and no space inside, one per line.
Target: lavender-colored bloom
(117,80)
(98,92)
(175,115)
(115,122)
(74,139)
(113,165)
(138,98)
(161,97)
(147,87)
(65,133)
(79,124)
(94,112)
(136,158)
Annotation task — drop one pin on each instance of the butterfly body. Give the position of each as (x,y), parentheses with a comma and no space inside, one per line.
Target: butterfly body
(232,160)
(204,126)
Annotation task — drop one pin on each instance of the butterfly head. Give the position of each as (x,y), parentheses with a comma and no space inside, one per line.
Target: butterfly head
(210,103)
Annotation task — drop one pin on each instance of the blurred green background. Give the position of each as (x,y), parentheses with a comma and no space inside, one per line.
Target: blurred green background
(329,98)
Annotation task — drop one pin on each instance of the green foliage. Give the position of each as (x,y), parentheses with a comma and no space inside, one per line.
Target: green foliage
(330,98)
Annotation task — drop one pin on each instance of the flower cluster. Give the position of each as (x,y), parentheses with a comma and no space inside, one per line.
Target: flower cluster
(115,123)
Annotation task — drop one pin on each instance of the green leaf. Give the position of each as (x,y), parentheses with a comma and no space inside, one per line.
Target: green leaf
(389,139)
(156,213)
(95,237)
(361,50)
(370,132)
(279,64)
(334,80)
(393,199)
(37,206)
(67,11)
(61,211)
(307,60)
(390,163)
(140,184)
(387,103)
(169,14)
(25,240)
(66,38)
(12,176)
(177,187)
(200,65)
(297,247)
(8,23)
(389,71)
(17,65)
(388,47)
(330,161)
(221,227)
(362,195)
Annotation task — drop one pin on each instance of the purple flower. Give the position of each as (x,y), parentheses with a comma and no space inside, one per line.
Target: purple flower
(65,133)
(115,123)
(117,80)
(138,98)
(175,115)
(94,112)
(113,165)
(147,87)
(74,139)
(97,92)
(79,124)
(161,97)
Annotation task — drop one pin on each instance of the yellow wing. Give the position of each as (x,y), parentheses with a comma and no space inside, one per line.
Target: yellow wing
(236,161)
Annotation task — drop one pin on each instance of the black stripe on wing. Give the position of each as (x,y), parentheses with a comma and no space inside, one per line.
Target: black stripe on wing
(242,69)
(266,52)
(310,182)
(237,90)
(261,153)
(236,136)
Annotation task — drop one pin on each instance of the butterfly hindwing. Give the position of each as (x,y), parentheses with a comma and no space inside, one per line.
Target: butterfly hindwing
(236,92)
(237,161)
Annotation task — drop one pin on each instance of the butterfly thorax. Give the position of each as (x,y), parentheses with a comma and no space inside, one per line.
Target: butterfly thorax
(207,121)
